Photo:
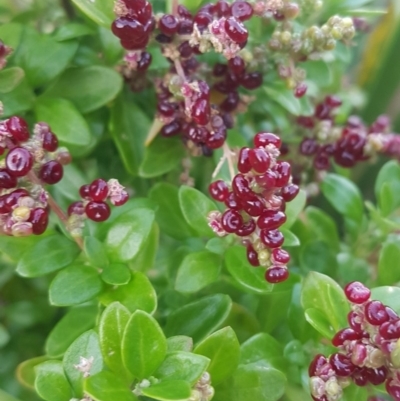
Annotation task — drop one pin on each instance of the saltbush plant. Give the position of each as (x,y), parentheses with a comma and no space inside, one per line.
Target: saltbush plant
(199,201)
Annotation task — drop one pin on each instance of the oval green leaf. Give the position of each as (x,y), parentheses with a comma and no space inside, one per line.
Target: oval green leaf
(51,383)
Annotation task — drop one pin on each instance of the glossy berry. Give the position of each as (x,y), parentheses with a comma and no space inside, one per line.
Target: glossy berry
(252,256)
(236,65)
(271,219)
(377,376)
(84,191)
(97,211)
(241,188)
(244,165)
(283,170)
(232,202)
(39,218)
(202,20)
(241,10)
(354,321)
(144,62)
(18,128)
(124,196)
(7,180)
(236,30)
(267,138)
(230,102)
(51,172)
(201,111)
(49,142)
(19,161)
(259,160)
(98,190)
(219,190)
(393,388)
(246,229)
(251,80)
(276,274)
(216,139)
(316,364)
(76,208)
(231,220)
(345,335)
(222,8)
(375,313)
(300,90)
(171,129)
(252,206)
(289,192)
(272,238)
(267,180)
(309,147)
(168,24)
(342,365)
(128,29)
(12,198)
(356,292)
(280,256)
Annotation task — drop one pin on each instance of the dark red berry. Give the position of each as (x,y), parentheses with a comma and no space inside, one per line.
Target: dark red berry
(231,220)
(230,102)
(253,206)
(201,111)
(128,29)
(76,208)
(139,9)
(306,122)
(259,160)
(333,101)
(360,377)
(393,388)
(12,198)
(184,12)
(316,364)
(289,192)
(84,191)
(377,376)
(321,161)
(219,190)
(51,172)
(393,316)
(309,147)
(241,188)
(144,62)
(216,138)
(356,292)
(251,80)
(354,321)
(300,90)
(97,211)
(18,128)
(220,70)
(345,335)
(185,27)
(3,206)
(375,313)
(232,202)
(263,139)
(185,50)
(173,128)
(280,256)
(222,8)
(7,181)
(123,198)
(283,170)
(98,190)
(202,20)
(244,165)
(236,30)
(342,365)
(252,256)
(49,142)
(19,161)
(276,274)
(267,180)
(323,111)
(246,229)
(166,109)
(39,218)
(241,10)
(271,219)
(236,65)
(272,238)
(168,24)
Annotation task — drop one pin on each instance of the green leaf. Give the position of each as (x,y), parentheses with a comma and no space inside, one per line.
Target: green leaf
(144,345)
(181,365)
(11,34)
(129,126)
(106,386)
(195,207)
(169,215)
(48,60)
(388,182)
(137,294)
(7,397)
(51,383)
(10,78)
(111,329)
(223,349)
(344,196)
(252,280)
(128,234)
(74,285)
(290,238)
(86,346)
(174,390)
(94,250)
(26,372)
(179,343)
(65,120)
(252,382)
(285,98)
(100,11)
(389,296)
(162,156)
(116,274)
(145,259)
(319,321)
(318,256)
(199,318)
(294,208)
(46,256)
(324,294)
(388,259)
(88,88)
(71,326)
(19,100)
(72,30)
(197,270)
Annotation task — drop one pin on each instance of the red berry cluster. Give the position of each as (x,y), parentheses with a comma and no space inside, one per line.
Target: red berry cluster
(368,350)
(255,204)
(346,145)
(94,196)
(30,162)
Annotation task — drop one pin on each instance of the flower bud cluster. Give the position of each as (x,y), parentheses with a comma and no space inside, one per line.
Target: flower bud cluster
(30,162)
(255,205)
(368,350)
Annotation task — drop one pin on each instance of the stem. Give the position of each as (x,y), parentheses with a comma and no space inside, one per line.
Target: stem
(175,4)
(153,131)
(68,8)
(228,156)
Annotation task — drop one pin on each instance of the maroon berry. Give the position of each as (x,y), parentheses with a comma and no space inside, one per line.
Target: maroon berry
(49,141)
(166,109)
(202,20)
(333,101)
(76,208)
(342,365)
(272,238)
(230,102)
(253,207)
(345,335)
(222,9)
(7,181)
(271,219)
(316,364)
(252,256)
(393,388)
(139,9)
(3,206)
(39,219)
(390,330)
(84,191)
(168,24)
(289,192)
(251,80)
(300,90)
(232,202)
(321,161)
(375,313)
(219,190)
(242,10)
(201,111)
(241,188)
(354,321)
(185,50)
(267,180)
(123,198)
(306,122)
(19,161)
(171,129)
(377,376)
(184,12)
(220,70)
(360,377)
(129,29)
(309,147)
(283,170)
(236,65)
(236,30)
(323,111)
(244,165)
(263,139)
(259,160)
(216,139)
(185,27)
(144,62)
(51,172)
(98,190)
(97,211)
(12,198)
(276,274)
(357,293)
(393,316)
(246,229)
(231,220)
(163,39)
(280,256)
(18,128)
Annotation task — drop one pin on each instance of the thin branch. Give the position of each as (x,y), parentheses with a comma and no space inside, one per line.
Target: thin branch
(68,8)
